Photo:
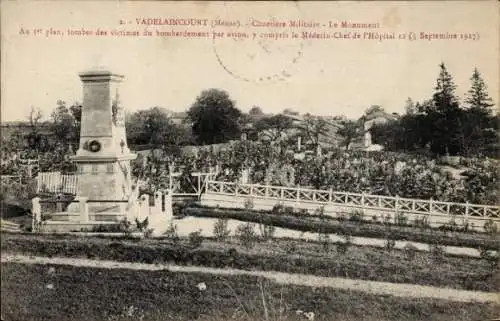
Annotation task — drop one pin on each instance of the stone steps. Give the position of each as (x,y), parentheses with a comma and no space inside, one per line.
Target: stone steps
(6,226)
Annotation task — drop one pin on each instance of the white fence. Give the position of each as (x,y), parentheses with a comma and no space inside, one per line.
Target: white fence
(354,200)
(55,182)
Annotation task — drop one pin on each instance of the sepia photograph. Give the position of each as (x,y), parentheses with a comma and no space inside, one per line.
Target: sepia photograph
(268,161)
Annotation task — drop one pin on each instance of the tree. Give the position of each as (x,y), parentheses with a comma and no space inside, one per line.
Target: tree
(274,127)
(256,111)
(444,116)
(288,111)
(63,124)
(349,131)
(36,140)
(312,128)
(478,97)
(479,124)
(214,117)
(153,127)
(410,107)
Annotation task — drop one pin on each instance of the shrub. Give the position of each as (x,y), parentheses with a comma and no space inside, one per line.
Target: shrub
(171,232)
(390,244)
(148,233)
(142,226)
(342,247)
(319,211)
(246,234)
(302,212)
(125,226)
(490,227)
(410,251)
(221,231)
(324,240)
(266,231)
(436,250)
(387,220)
(422,222)
(356,216)
(400,219)
(249,204)
(278,208)
(195,239)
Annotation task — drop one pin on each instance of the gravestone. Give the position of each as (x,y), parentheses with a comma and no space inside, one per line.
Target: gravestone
(103,158)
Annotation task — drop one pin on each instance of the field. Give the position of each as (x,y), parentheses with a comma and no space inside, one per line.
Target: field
(109,287)
(41,292)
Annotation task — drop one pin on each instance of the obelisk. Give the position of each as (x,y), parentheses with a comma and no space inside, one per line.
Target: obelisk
(103,158)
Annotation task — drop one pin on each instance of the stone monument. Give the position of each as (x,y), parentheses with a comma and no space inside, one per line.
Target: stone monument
(103,158)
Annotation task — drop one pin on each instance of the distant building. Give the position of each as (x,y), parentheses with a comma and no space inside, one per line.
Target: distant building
(374,115)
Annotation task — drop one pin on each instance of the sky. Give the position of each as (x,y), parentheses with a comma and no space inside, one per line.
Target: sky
(318,76)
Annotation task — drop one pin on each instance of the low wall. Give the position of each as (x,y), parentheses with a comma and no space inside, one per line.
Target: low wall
(337,210)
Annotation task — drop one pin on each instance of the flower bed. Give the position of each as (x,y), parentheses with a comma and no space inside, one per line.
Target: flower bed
(311,223)
(285,256)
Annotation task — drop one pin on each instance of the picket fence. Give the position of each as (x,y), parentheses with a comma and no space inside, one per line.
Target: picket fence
(355,200)
(55,182)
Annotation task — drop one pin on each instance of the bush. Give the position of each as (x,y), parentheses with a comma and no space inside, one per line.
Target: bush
(278,208)
(249,204)
(436,251)
(148,233)
(246,234)
(387,220)
(266,231)
(422,222)
(342,247)
(410,251)
(221,231)
(356,216)
(490,227)
(400,219)
(195,239)
(324,240)
(390,244)
(171,232)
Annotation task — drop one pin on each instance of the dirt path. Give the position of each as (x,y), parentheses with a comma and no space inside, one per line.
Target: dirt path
(373,287)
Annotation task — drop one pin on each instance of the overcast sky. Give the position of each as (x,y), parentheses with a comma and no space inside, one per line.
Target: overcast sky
(325,77)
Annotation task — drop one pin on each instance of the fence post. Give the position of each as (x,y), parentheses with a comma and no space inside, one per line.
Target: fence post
(430,205)
(282,196)
(466,219)
(298,195)
(330,196)
(396,204)
(84,210)
(363,199)
(36,211)
(158,202)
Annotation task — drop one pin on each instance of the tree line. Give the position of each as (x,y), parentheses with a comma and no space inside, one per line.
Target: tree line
(443,125)
(440,125)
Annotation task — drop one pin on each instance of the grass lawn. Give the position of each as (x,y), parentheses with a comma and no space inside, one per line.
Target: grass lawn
(44,292)
(293,256)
